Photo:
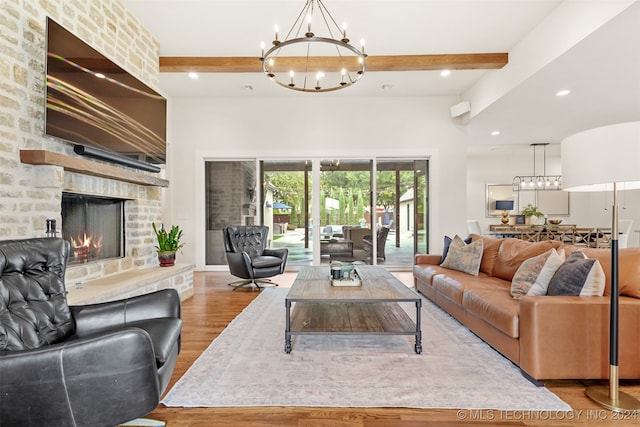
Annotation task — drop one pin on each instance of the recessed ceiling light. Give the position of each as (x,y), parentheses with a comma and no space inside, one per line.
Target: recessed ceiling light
(193,75)
(563,92)
(246,87)
(387,86)
(495,133)
(445,73)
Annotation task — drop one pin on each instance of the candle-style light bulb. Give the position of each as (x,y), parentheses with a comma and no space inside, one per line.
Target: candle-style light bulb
(362,45)
(344,74)
(276,29)
(361,62)
(319,75)
(309,33)
(344,30)
(270,71)
(291,74)
(262,49)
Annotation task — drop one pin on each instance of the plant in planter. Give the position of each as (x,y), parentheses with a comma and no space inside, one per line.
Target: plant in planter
(530,211)
(168,244)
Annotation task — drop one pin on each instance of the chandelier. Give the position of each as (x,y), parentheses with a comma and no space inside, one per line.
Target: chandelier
(538,182)
(315,55)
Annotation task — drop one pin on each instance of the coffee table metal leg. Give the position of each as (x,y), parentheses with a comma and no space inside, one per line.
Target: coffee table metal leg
(287,331)
(418,328)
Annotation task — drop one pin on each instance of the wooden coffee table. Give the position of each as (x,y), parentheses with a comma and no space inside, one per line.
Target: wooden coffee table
(373,308)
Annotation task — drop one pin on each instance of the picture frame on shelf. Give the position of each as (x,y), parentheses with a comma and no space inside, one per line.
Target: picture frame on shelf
(520,219)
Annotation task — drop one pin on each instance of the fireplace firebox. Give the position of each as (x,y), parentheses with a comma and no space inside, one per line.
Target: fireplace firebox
(94,226)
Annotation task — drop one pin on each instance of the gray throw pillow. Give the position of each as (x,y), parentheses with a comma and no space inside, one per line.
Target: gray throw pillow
(578,276)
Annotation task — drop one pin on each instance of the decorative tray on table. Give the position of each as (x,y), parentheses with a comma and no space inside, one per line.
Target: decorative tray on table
(344,274)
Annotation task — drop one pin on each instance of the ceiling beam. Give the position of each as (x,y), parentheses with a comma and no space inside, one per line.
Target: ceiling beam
(470,61)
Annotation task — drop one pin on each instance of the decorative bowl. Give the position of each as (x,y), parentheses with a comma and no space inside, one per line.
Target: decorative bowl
(555,221)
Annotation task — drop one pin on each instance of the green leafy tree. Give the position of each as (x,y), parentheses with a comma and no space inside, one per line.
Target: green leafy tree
(289,186)
(342,206)
(323,209)
(360,206)
(351,217)
(293,218)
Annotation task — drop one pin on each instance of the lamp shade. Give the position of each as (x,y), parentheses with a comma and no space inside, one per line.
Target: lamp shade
(504,205)
(594,159)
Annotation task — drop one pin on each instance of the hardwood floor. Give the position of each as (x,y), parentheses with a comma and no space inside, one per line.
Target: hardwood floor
(215,304)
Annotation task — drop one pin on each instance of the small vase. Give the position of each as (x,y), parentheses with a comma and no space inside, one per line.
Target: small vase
(167,258)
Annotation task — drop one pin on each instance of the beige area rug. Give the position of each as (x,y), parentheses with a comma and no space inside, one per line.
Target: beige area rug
(246,366)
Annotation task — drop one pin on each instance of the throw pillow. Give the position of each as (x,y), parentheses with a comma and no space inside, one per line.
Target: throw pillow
(534,274)
(578,276)
(463,257)
(447,243)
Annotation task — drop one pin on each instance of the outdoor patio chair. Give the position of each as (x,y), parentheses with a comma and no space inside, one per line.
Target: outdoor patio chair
(381,240)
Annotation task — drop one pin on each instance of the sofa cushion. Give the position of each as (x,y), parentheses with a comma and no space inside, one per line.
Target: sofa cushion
(463,257)
(425,273)
(452,283)
(513,252)
(494,305)
(450,287)
(578,276)
(490,252)
(533,275)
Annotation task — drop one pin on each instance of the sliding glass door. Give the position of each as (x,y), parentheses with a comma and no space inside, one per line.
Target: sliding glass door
(374,221)
(286,196)
(230,199)
(401,210)
(345,210)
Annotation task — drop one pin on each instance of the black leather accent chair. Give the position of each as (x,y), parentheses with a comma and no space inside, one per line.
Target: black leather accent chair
(93,365)
(249,258)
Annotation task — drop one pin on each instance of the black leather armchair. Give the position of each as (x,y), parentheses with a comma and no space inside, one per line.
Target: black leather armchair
(94,365)
(249,258)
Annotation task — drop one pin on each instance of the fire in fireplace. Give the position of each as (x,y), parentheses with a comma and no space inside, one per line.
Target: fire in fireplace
(94,226)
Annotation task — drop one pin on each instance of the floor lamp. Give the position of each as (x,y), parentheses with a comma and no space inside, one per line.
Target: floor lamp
(606,159)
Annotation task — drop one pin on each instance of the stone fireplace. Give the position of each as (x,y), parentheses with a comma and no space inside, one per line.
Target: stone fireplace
(131,208)
(36,170)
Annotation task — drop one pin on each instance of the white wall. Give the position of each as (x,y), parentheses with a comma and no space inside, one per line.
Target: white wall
(313,127)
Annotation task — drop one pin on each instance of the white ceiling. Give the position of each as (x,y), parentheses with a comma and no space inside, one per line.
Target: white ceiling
(602,70)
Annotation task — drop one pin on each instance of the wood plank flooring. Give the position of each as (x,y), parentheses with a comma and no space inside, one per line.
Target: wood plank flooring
(215,304)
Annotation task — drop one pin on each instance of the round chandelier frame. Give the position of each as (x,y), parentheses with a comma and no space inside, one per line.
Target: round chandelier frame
(321,73)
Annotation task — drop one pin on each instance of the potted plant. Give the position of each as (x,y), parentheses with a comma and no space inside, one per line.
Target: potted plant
(168,244)
(530,211)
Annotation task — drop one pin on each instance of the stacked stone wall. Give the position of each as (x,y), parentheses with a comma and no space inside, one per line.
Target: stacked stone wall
(29,195)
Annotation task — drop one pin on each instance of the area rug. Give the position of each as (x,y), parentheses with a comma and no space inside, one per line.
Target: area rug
(247,366)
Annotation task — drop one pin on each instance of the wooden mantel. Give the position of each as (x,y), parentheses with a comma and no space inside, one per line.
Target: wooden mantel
(88,167)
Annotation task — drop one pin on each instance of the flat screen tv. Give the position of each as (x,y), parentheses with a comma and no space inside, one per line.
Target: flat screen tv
(93,102)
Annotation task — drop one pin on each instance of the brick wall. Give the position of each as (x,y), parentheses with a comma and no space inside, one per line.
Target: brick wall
(31,194)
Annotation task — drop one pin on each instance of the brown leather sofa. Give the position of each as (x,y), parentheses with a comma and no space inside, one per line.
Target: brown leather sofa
(548,337)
